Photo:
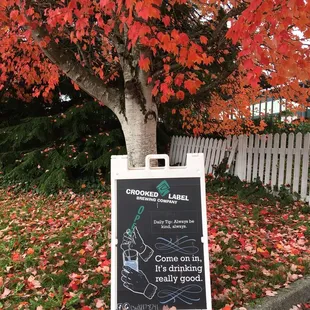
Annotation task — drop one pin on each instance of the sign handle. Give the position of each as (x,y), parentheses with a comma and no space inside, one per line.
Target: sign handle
(148,159)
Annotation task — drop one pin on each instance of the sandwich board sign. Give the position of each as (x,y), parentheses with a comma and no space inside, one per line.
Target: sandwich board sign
(159,236)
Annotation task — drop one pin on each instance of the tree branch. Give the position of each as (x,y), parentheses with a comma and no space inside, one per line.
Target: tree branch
(232,13)
(219,81)
(86,80)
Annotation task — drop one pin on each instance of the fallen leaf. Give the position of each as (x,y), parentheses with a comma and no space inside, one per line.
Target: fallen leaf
(16,257)
(30,251)
(99,303)
(270,293)
(5,293)
(60,263)
(33,282)
(293,277)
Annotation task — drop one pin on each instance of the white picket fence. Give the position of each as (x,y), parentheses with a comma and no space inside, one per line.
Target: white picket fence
(274,159)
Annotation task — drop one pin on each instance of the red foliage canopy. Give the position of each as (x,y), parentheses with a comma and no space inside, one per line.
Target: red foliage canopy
(210,54)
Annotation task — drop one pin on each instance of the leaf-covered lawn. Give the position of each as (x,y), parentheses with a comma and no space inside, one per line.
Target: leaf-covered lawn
(54,252)
(255,250)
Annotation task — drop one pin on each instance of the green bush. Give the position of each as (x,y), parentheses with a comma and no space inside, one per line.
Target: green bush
(70,149)
(254,192)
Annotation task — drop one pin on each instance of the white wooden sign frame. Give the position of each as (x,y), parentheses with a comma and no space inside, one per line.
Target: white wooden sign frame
(193,169)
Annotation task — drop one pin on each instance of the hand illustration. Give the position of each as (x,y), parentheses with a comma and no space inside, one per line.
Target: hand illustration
(126,240)
(135,242)
(137,282)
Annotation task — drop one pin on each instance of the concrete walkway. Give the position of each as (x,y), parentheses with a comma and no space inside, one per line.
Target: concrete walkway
(298,292)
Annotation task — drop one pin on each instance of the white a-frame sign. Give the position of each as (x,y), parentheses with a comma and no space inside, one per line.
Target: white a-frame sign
(159,236)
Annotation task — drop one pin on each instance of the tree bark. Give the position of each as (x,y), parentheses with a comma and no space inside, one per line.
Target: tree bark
(133,105)
(140,134)
(139,125)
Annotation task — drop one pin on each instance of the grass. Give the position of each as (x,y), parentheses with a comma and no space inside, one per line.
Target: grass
(55,251)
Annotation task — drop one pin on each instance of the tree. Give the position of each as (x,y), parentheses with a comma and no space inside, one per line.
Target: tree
(65,144)
(134,55)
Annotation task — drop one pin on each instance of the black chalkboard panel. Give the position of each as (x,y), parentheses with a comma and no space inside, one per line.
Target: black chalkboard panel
(159,253)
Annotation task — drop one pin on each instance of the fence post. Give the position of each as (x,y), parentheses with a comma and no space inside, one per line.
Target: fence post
(240,170)
(232,156)
(305,167)
(296,177)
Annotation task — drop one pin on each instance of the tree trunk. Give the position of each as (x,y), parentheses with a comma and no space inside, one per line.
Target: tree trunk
(139,118)
(140,132)
(137,113)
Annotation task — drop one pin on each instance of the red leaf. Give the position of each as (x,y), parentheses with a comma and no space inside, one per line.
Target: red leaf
(82,261)
(179,79)
(144,63)
(164,87)
(74,285)
(103,3)
(76,86)
(192,85)
(14,14)
(184,39)
(33,283)
(203,40)
(259,38)
(180,95)
(16,257)
(146,10)
(248,64)
(285,217)
(30,251)
(30,11)
(166,68)
(263,252)
(283,48)
(82,23)
(155,90)
(164,98)
(166,20)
